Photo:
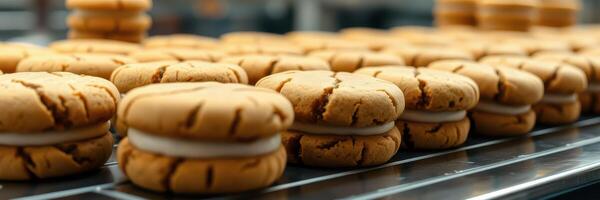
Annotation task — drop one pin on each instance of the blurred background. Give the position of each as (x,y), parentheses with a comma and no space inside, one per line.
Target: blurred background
(44,20)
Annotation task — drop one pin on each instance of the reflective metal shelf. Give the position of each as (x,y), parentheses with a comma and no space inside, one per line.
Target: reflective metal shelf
(548,160)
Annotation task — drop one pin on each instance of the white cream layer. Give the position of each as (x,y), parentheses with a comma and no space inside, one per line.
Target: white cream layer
(105,13)
(593,87)
(497,108)
(200,149)
(54,137)
(559,98)
(339,130)
(432,117)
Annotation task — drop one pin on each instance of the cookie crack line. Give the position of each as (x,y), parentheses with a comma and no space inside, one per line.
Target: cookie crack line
(71,150)
(394,103)
(44,100)
(170,171)
(323,101)
(330,144)
(270,69)
(552,77)
(27,162)
(362,154)
(82,98)
(406,137)
(501,86)
(458,68)
(354,119)
(238,77)
(360,63)
(192,115)
(235,122)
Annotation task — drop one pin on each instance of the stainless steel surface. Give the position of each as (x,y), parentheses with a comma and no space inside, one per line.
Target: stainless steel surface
(548,160)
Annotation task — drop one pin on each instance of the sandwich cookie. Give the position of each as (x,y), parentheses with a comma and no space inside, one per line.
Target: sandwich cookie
(506,96)
(512,15)
(109,21)
(557,13)
(128,77)
(204,138)
(12,55)
(180,41)
(98,65)
(341,119)
(455,12)
(263,49)
(94,46)
(259,66)
(66,128)
(178,54)
(121,5)
(589,99)
(436,105)
(423,56)
(562,83)
(349,61)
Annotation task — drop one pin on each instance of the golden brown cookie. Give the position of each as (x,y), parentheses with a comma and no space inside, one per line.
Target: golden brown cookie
(562,83)
(340,150)
(341,119)
(249,37)
(264,49)
(94,46)
(128,77)
(66,128)
(534,46)
(120,5)
(375,39)
(11,55)
(85,64)
(180,41)
(590,51)
(177,54)
(420,36)
(311,41)
(89,21)
(480,49)
(423,56)
(514,15)
(506,96)
(259,66)
(455,12)
(205,138)
(349,61)
(557,13)
(436,103)
(134,37)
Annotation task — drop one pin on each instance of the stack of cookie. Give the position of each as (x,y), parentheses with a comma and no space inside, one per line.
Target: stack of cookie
(123,20)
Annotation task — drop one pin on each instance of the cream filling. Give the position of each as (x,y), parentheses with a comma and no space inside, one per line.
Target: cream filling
(559,98)
(339,130)
(497,108)
(105,13)
(53,137)
(433,117)
(200,149)
(593,87)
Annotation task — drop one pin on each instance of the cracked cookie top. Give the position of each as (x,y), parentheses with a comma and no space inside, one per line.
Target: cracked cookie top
(206,111)
(422,56)
(39,101)
(558,78)
(85,64)
(94,46)
(120,5)
(132,76)
(349,61)
(427,89)
(338,99)
(150,55)
(500,84)
(259,66)
(588,64)
(180,41)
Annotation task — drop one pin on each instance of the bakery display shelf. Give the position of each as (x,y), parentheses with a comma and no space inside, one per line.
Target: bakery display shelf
(549,160)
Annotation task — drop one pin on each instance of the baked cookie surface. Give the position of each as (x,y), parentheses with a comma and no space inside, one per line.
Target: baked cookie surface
(180,41)
(94,46)
(124,23)
(349,61)
(85,64)
(162,54)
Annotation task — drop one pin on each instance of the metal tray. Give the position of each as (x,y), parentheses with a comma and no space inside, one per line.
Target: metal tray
(548,160)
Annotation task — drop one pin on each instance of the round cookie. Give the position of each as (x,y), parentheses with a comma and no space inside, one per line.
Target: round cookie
(557,13)
(590,66)
(133,37)
(11,55)
(66,130)
(480,49)
(264,49)
(259,66)
(94,46)
(341,119)
(180,41)
(98,21)
(205,138)
(128,77)
(436,105)
(120,5)
(85,64)
(163,54)
(506,96)
(513,15)
(423,56)
(562,83)
(349,61)
(455,12)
